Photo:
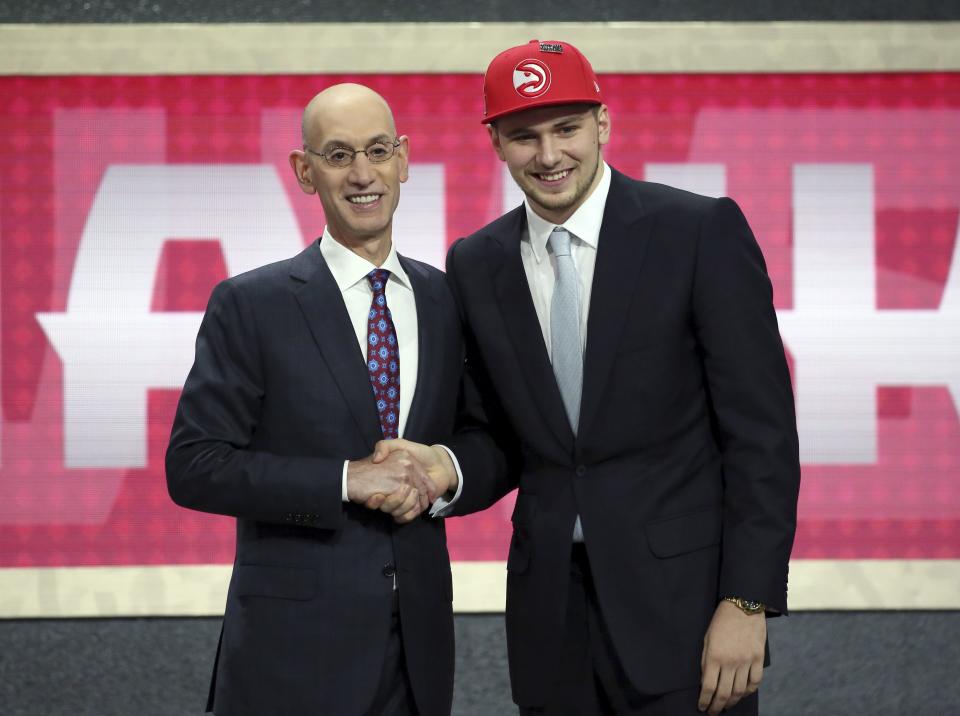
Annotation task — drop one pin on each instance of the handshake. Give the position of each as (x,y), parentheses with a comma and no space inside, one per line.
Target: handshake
(401,478)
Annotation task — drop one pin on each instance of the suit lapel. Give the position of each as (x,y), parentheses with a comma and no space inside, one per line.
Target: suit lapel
(624,236)
(523,327)
(428,348)
(326,315)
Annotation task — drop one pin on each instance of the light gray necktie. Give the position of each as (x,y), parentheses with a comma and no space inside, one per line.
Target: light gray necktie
(566,352)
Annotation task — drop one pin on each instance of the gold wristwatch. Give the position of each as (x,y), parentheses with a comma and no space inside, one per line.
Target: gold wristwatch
(746,606)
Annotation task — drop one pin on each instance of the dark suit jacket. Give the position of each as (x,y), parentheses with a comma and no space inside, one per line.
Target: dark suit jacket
(278,397)
(685,468)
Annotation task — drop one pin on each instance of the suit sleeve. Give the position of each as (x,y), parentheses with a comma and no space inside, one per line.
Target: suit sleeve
(486,448)
(210,462)
(753,411)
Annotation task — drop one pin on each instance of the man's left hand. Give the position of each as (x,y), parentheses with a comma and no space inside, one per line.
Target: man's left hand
(435,461)
(732,660)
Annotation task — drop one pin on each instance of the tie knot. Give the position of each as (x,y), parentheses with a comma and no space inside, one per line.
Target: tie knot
(378,279)
(560,241)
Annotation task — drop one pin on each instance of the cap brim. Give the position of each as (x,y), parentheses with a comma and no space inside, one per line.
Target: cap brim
(536,105)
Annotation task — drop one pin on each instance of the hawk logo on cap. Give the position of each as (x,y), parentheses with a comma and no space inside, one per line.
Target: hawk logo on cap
(531,78)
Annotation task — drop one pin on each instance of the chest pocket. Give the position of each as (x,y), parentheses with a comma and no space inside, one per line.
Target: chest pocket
(685,533)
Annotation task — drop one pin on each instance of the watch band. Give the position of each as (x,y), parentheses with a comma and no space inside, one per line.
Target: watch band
(746,606)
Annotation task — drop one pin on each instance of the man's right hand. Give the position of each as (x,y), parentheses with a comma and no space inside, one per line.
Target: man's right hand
(397,474)
(435,460)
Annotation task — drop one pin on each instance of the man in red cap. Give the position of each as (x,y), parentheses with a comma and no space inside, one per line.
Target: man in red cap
(627,374)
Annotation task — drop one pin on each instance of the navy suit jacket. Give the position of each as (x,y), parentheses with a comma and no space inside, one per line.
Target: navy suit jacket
(278,397)
(685,468)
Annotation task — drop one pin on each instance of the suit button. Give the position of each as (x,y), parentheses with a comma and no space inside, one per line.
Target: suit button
(581,470)
(389,569)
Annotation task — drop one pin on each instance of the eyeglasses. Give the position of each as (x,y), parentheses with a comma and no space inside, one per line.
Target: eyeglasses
(377,153)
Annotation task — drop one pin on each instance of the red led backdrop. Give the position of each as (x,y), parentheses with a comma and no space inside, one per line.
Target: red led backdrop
(124,199)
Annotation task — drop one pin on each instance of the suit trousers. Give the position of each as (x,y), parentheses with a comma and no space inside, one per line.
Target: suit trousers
(591,681)
(394,695)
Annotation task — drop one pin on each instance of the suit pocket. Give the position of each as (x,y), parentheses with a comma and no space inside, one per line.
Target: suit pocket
(256,580)
(685,533)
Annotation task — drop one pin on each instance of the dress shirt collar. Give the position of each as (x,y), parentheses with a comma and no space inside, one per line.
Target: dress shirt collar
(349,268)
(584,223)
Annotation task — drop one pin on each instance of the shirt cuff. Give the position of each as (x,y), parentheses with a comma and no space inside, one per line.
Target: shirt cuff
(442,507)
(343,482)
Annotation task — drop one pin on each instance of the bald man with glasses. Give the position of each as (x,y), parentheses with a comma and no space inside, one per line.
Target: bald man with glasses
(301,367)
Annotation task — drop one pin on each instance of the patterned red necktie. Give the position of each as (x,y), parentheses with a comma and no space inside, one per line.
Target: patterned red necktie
(383,355)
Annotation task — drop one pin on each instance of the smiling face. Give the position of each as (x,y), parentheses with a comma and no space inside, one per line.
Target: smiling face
(358,200)
(553,153)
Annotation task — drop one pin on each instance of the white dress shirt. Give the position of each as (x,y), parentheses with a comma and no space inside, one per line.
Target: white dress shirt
(540,265)
(350,273)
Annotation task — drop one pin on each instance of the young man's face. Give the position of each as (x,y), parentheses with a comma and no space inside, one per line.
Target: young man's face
(553,154)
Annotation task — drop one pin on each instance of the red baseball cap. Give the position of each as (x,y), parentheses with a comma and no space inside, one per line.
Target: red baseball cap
(537,74)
